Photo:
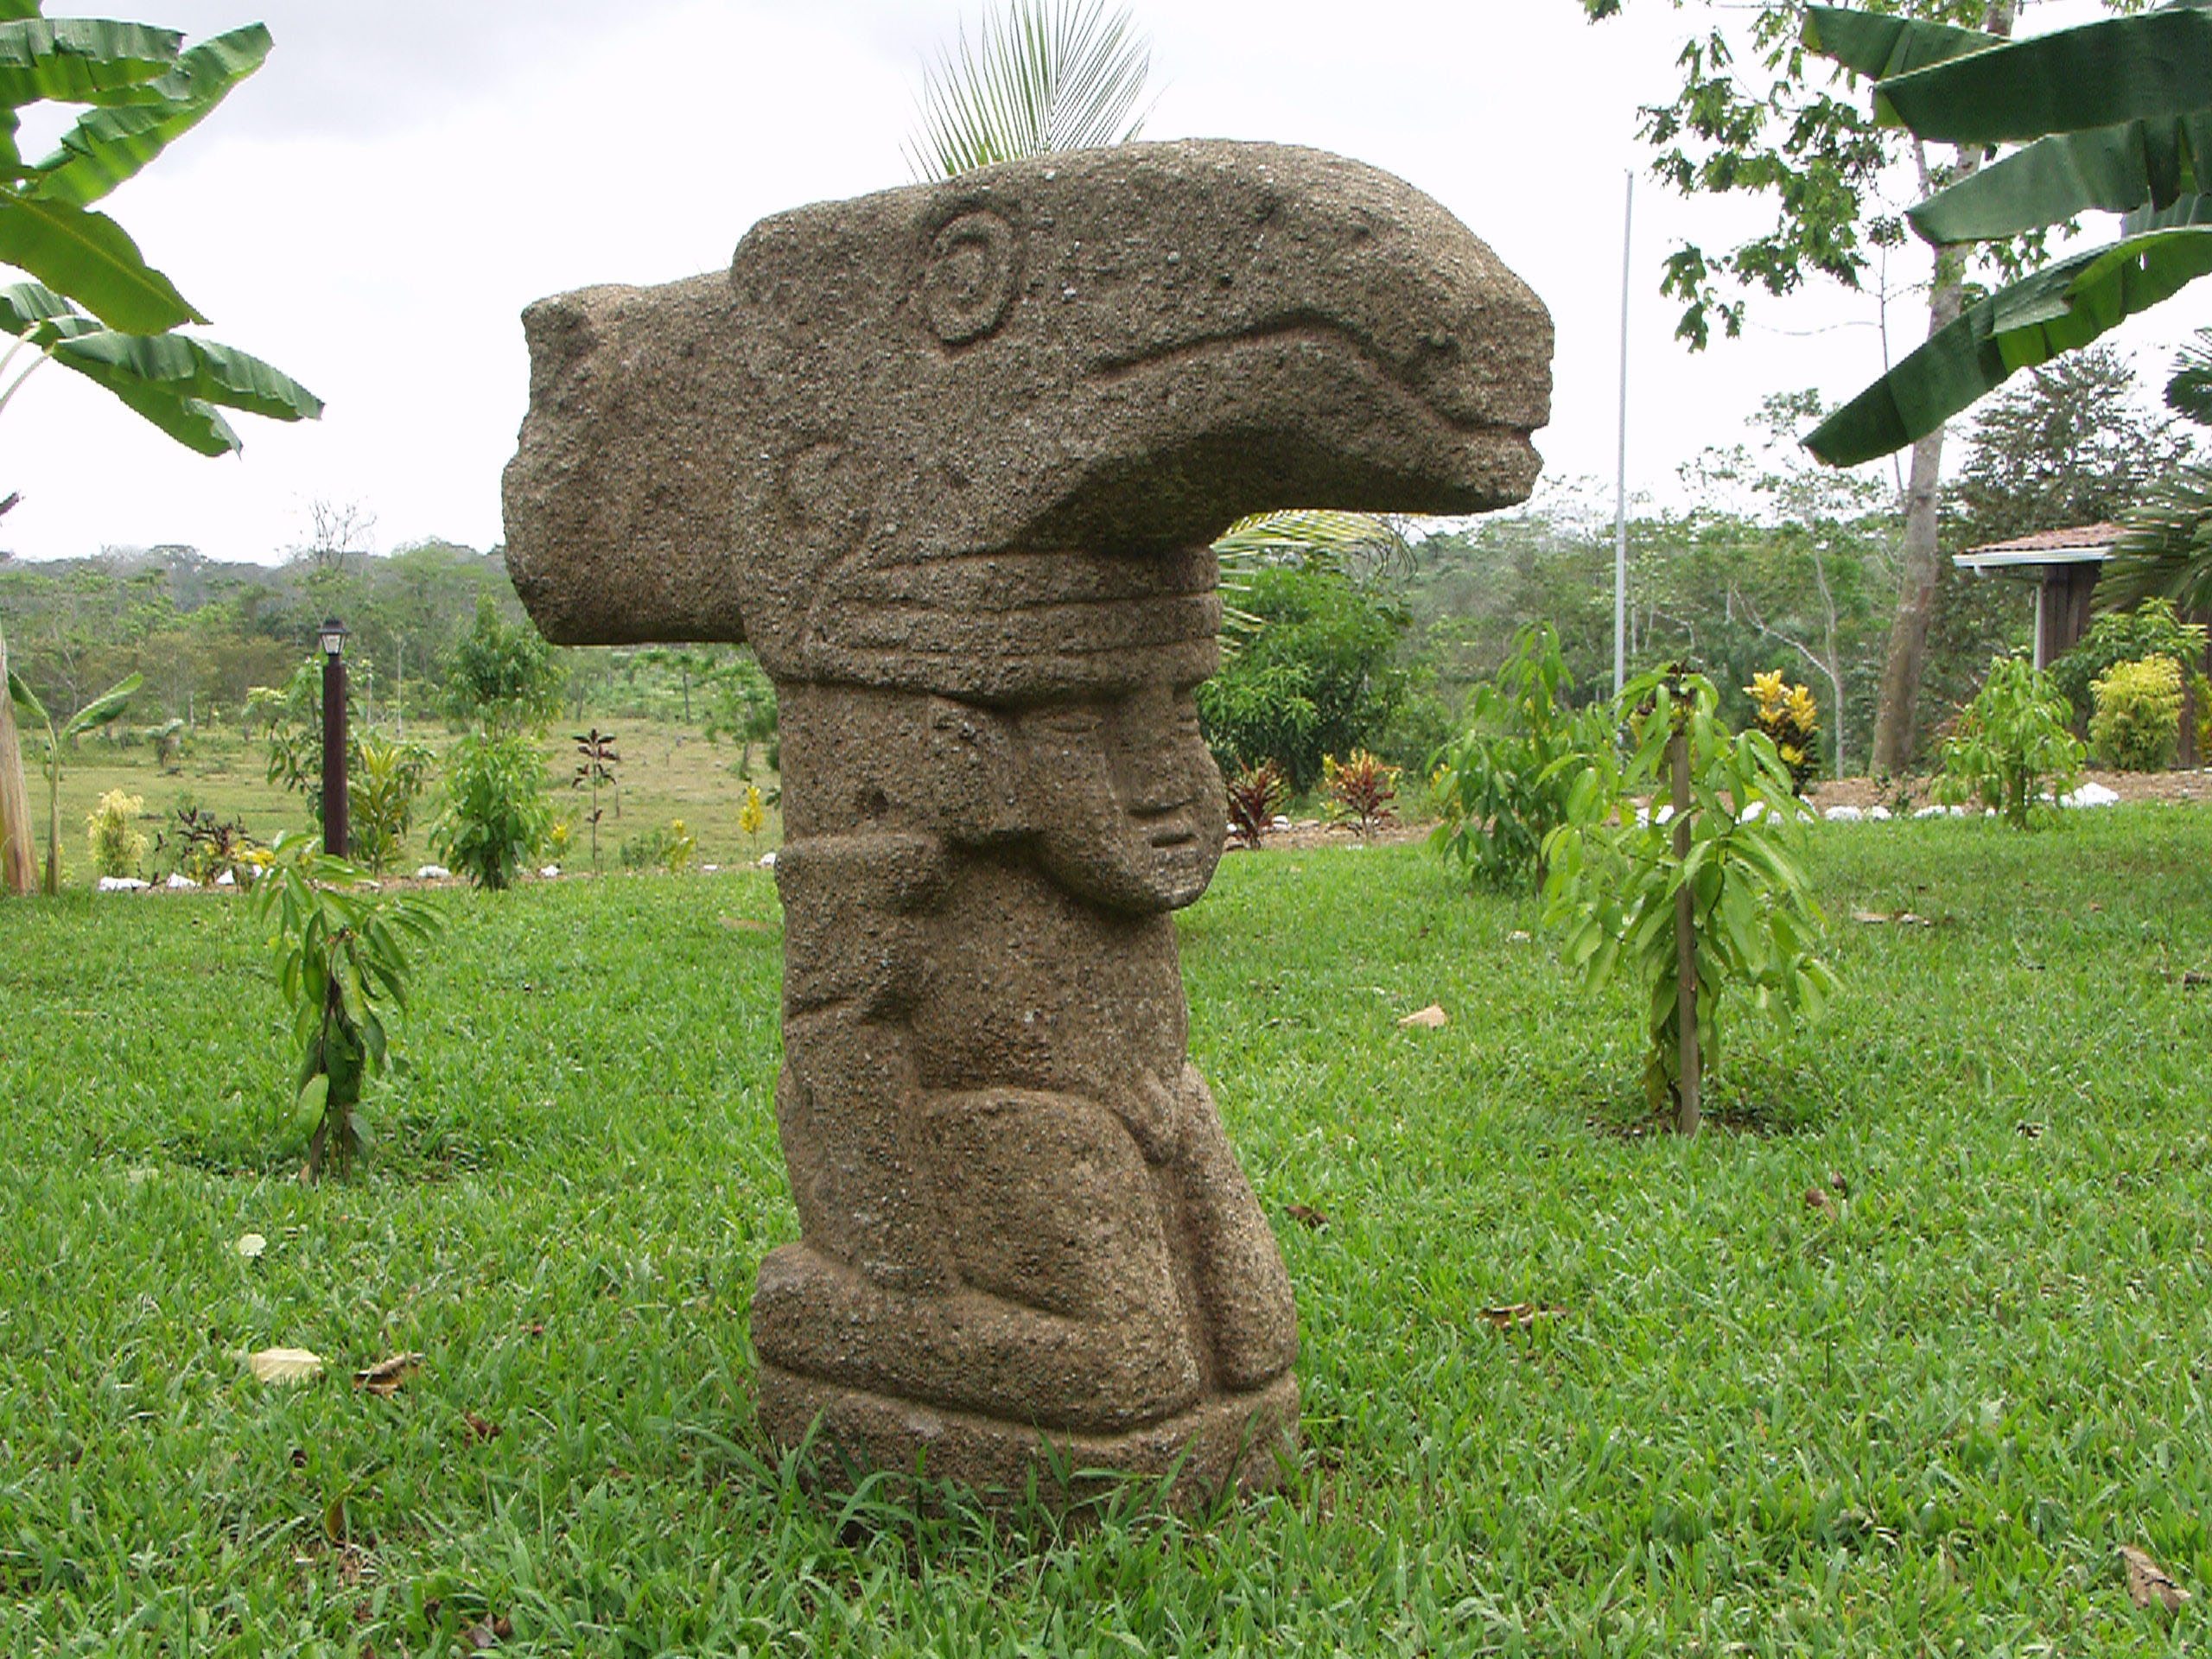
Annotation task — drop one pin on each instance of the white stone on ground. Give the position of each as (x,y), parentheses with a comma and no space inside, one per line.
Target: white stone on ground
(122,884)
(2091,794)
(226,879)
(550,871)
(1845,814)
(1878,815)
(1929,812)
(767,861)
(434,873)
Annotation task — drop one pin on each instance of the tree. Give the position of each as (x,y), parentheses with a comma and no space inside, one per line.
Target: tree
(92,302)
(1757,114)
(502,673)
(2119,114)
(2066,446)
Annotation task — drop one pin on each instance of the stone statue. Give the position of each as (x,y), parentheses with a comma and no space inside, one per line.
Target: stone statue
(950,457)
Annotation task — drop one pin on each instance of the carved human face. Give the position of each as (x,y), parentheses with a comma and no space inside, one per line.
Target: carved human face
(1123,798)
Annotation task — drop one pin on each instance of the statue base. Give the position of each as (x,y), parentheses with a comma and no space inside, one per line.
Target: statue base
(1240,1440)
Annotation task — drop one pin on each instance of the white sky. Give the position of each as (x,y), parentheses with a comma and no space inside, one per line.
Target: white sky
(373,209)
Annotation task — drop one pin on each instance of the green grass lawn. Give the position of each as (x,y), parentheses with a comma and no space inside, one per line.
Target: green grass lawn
(1918,1417)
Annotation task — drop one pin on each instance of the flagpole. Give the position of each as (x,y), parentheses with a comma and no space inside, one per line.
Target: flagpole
(1620,479)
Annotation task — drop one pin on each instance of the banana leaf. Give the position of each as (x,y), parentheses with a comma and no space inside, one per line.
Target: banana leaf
(81,60)
(2114,169)
(14,11)
(2189,210)
(23,306)
(1879,47)
(190,368)
(91,259)
(2151,67)
(172,380)
(2065,305)
(20,694)
(107,146)
(107,706)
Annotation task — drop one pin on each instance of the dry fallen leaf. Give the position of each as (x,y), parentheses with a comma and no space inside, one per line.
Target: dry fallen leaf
(743,924)
(481,1636)
(251,1244)
(1516,1314)
(1818,1201)
(1432,1018)
(1902,918)
(1306,1216)
(1518,936)
(2148,1583)
(285,1365)
(2028,1131)
(481,1429)
(385,1377)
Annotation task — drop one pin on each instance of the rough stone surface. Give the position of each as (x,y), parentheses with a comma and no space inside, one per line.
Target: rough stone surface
(949,458)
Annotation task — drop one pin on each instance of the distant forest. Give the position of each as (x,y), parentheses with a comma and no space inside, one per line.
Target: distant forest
(1775,564)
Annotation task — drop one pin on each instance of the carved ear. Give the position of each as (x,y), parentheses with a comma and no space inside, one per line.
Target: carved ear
(975,772)
(971,277)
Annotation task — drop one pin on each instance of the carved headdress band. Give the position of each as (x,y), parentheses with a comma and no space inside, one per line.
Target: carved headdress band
(1016,627)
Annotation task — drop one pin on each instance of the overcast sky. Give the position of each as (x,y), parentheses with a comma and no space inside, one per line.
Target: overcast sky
(373,209)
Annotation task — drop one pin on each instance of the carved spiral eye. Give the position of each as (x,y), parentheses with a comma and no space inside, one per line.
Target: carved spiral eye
(970,280)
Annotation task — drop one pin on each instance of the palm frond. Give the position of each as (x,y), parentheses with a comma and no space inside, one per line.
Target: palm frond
(1040,77)
(2167,551)
(2188,394)
(1360,545)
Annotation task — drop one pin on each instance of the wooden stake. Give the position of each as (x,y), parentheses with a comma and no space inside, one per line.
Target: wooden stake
(1678,768)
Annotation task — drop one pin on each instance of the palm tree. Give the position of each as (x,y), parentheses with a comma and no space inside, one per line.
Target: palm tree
(2167,550)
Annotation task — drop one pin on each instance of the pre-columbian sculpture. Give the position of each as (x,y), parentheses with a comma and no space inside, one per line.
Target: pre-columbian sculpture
(949,458)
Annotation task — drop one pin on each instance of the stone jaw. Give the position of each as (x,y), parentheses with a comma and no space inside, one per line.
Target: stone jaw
(949,458)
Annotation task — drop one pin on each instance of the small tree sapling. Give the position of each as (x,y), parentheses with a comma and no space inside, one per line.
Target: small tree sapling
(338,954)
(1697,896)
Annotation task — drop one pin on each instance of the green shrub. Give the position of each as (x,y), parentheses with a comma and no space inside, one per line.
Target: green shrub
(1502,786)
(2013,745)
(111,834)
(2137,726)
(381,788)
(1791,720)
(2151,630)
(495,814)
(665,847)
(1318,675)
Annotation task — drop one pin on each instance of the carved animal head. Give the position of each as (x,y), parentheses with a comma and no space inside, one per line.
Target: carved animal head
(904,424)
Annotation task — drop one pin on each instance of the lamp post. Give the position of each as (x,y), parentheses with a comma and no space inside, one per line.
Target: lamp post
(334,828)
